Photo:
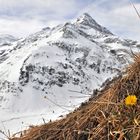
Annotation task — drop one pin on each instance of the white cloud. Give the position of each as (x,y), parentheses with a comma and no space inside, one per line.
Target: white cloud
(22,17)
(19,28)
(121,18)
(37,7)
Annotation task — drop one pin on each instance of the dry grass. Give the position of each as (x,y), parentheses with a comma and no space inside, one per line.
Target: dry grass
(103,118)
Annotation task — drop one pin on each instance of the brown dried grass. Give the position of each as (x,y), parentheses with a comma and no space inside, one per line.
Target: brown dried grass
(103,118)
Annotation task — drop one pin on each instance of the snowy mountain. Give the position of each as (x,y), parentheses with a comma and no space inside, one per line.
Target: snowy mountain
(6,40)
(54,70)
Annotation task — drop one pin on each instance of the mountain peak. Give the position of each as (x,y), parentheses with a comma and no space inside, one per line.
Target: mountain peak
(86,18)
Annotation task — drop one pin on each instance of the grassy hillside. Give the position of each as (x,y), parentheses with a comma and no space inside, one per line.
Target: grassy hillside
(113,115)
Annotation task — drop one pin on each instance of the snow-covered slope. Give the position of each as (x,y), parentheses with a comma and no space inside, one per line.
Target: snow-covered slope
(56,69)
(7,40)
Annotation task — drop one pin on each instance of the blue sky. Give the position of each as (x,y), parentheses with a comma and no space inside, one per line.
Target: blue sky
(23,17)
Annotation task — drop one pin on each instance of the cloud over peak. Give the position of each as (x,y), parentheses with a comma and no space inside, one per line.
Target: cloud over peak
(23,17)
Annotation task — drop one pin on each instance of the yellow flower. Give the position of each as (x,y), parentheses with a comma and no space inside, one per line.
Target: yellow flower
(131,100)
